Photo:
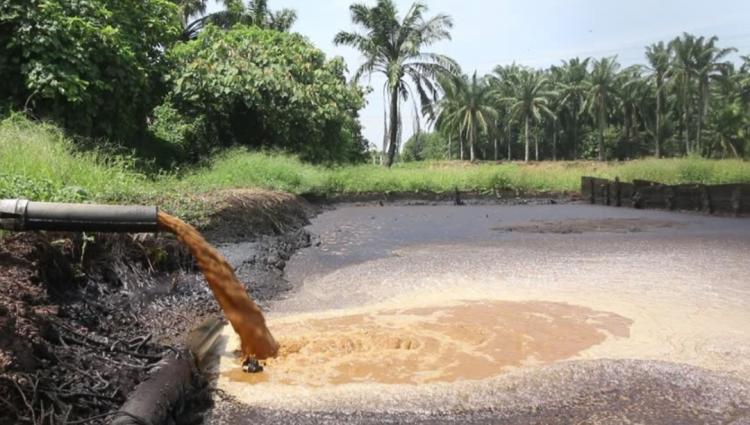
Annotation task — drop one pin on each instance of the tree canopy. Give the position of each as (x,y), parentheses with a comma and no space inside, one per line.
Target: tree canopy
(394,48)
(261,88)
(93,65)
(162,77)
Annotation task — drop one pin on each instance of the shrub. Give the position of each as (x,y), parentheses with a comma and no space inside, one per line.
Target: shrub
(260,88)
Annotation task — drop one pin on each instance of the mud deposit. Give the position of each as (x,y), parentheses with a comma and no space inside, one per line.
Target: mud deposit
(430,315)
(85,318)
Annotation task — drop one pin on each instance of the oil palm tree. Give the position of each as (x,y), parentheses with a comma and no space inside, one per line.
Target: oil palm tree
(255,13)
(633,92)
(468,105)
(529,100)
(658,56)
(601,95)
(743,78)
(261,16)
(444,112)
(503,81)
(683,73)
(572,89)
(708,66)
(191,8)
(394,48)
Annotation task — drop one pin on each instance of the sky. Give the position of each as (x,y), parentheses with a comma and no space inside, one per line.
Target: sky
(536,33)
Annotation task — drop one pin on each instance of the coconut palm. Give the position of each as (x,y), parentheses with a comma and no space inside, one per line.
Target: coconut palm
(601,95)
(658,56)
(529,100)
(394,48)
(572,89)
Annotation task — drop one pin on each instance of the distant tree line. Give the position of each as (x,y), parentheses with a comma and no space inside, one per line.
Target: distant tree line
(173,83)
(687,100)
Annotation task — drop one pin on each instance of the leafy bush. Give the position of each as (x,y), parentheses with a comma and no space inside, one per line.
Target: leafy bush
(93,66)
(260,88)
(428,146)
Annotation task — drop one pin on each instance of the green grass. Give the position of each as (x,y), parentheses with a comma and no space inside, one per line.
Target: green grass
(237,168)
(38,162)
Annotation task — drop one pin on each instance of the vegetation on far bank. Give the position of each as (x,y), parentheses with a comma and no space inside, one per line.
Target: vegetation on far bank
(191,84)
(38,162)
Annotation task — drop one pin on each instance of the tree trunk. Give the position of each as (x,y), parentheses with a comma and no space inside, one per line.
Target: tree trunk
(628,126)
(497,135)
(461,144)
(635,132)
(601,132)
(575,136)
(393,131)
(526,142)
(472,139)
(685,112)
(510,141)
(554,140)
(657,151)
(450,148)
(536,146)
(702,102)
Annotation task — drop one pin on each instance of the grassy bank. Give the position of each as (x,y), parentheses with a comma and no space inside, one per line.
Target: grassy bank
(240,169)
(38,162)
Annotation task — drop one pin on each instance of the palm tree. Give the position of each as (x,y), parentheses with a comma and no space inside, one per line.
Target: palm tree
(658,56)
(683,72)
(468,104)
(708,66)
(633,92)
(393,47)
(256,13)
(261,16)
(190,8)
(743,78)
(530,99)
(572,88)
(503,81)
(602,92)
(444,112)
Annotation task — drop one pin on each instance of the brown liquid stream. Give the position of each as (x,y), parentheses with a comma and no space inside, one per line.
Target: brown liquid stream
(244,315)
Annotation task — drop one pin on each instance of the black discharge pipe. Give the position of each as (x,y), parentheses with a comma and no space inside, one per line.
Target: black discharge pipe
(23,215)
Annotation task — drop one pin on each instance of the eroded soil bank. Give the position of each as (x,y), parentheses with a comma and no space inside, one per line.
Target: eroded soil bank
(84,318)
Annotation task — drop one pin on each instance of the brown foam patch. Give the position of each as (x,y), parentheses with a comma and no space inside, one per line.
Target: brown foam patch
(465,341)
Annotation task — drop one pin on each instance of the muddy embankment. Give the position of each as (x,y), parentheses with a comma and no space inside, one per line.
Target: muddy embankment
(84,318)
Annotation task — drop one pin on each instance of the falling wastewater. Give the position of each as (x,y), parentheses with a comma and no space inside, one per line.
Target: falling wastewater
(244,315)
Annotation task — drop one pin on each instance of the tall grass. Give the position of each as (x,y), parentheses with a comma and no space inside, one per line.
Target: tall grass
(240,168)
(38,162)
